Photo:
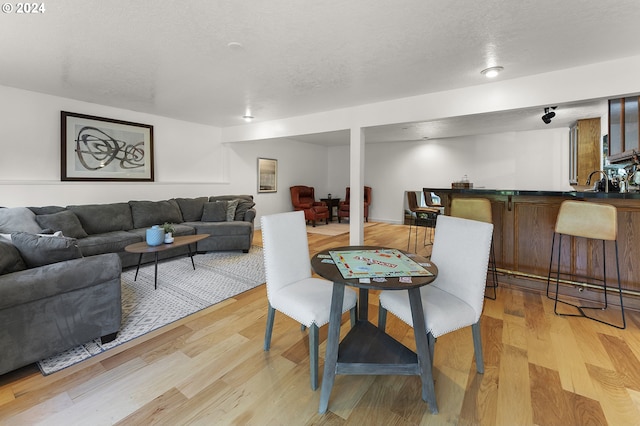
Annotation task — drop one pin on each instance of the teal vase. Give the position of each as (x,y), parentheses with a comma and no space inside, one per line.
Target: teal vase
(155,235)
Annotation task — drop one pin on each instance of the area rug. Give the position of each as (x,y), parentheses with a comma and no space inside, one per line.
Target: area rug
(181,292)
(332,229)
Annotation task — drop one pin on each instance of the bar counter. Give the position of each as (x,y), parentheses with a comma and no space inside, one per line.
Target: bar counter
(523,233)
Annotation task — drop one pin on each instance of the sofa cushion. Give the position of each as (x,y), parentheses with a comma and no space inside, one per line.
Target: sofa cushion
(10,259)
(18,219)
(243,207)
(231,210)
(245,203)
(214,211)
(191,208)
(108,242)
(101,218)
(38,250)
(65,221)
(149,213)
(224,229)
(230,197)
(47,209)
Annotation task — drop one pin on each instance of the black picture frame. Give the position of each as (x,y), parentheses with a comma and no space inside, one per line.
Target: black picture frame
(104,149)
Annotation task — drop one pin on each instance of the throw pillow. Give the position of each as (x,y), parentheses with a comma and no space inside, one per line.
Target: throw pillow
(103,218)
(65,221)
(18,219)
(38,250)
(214,211)
(47,209)
(243,207)
(191,208)
(10,259)
(231,210)
(149,213)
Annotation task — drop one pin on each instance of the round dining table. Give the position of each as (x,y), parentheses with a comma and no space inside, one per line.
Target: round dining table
(366,349)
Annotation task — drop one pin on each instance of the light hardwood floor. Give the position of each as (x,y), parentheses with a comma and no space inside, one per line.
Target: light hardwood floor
(210,369)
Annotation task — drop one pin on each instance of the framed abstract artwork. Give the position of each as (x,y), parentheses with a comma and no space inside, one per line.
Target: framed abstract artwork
(103,149)
(267,175)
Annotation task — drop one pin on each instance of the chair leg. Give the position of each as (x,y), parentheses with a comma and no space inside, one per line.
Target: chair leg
(313,355)
(431,341)
(493,273)
(382,318)
(553,244)
(410,226)
(267,334)
(477,346)
(582,309)
(624,321)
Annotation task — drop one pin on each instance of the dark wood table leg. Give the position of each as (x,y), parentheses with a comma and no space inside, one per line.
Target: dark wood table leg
(363,301)
(155,278)
(422,349)
(191,256)
(138,268)
(333,341)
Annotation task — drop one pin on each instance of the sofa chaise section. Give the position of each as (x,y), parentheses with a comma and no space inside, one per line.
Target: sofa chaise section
(48,309)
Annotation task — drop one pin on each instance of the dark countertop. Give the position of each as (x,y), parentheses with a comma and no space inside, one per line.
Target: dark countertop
(568,194)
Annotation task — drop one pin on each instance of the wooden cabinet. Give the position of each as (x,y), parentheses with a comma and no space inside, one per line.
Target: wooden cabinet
(623,128)
(523,233)
(585,149)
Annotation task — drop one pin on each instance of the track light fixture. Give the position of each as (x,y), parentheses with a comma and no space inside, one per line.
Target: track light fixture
(548,115)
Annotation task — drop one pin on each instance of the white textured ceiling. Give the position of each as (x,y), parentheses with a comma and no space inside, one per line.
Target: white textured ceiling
(171,58)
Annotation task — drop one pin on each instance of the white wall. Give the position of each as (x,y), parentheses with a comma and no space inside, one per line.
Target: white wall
(536,160)
(193,160)
(189,158)
(298,164)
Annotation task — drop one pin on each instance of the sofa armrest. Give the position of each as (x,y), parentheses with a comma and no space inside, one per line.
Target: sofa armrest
(56,278)
(250,215)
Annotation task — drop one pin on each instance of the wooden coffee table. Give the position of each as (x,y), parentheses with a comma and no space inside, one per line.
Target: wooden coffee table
(143,247)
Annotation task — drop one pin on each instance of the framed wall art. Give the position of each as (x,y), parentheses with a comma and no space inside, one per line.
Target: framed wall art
(103,149)
(267,175)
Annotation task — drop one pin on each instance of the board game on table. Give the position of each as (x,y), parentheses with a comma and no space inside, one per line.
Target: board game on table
(376,264)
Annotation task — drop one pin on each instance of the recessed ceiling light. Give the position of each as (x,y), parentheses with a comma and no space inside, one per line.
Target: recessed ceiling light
(234,45)
(247,118)
(491,72)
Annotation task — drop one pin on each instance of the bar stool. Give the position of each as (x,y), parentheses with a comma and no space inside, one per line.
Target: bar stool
(428,198)
(592,222)
(416,211)
(478,209)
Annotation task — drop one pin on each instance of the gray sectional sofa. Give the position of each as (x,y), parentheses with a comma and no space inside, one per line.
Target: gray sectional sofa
(60,267)
(109,228)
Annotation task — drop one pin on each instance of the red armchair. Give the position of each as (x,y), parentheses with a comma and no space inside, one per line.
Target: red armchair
(303,198)
(343,208)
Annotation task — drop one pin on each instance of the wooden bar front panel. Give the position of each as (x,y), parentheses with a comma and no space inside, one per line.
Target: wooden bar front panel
(523,235)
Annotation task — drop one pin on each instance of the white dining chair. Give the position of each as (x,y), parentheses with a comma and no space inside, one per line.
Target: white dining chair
(456,297)
(291,289)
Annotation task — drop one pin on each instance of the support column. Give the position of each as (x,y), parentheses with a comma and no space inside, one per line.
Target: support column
(356,182)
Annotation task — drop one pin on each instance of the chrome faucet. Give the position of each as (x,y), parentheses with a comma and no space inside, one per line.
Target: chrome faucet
(606,179)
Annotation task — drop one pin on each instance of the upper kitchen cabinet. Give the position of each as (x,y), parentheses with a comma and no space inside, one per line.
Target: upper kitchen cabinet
(623,128)
(585,150)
